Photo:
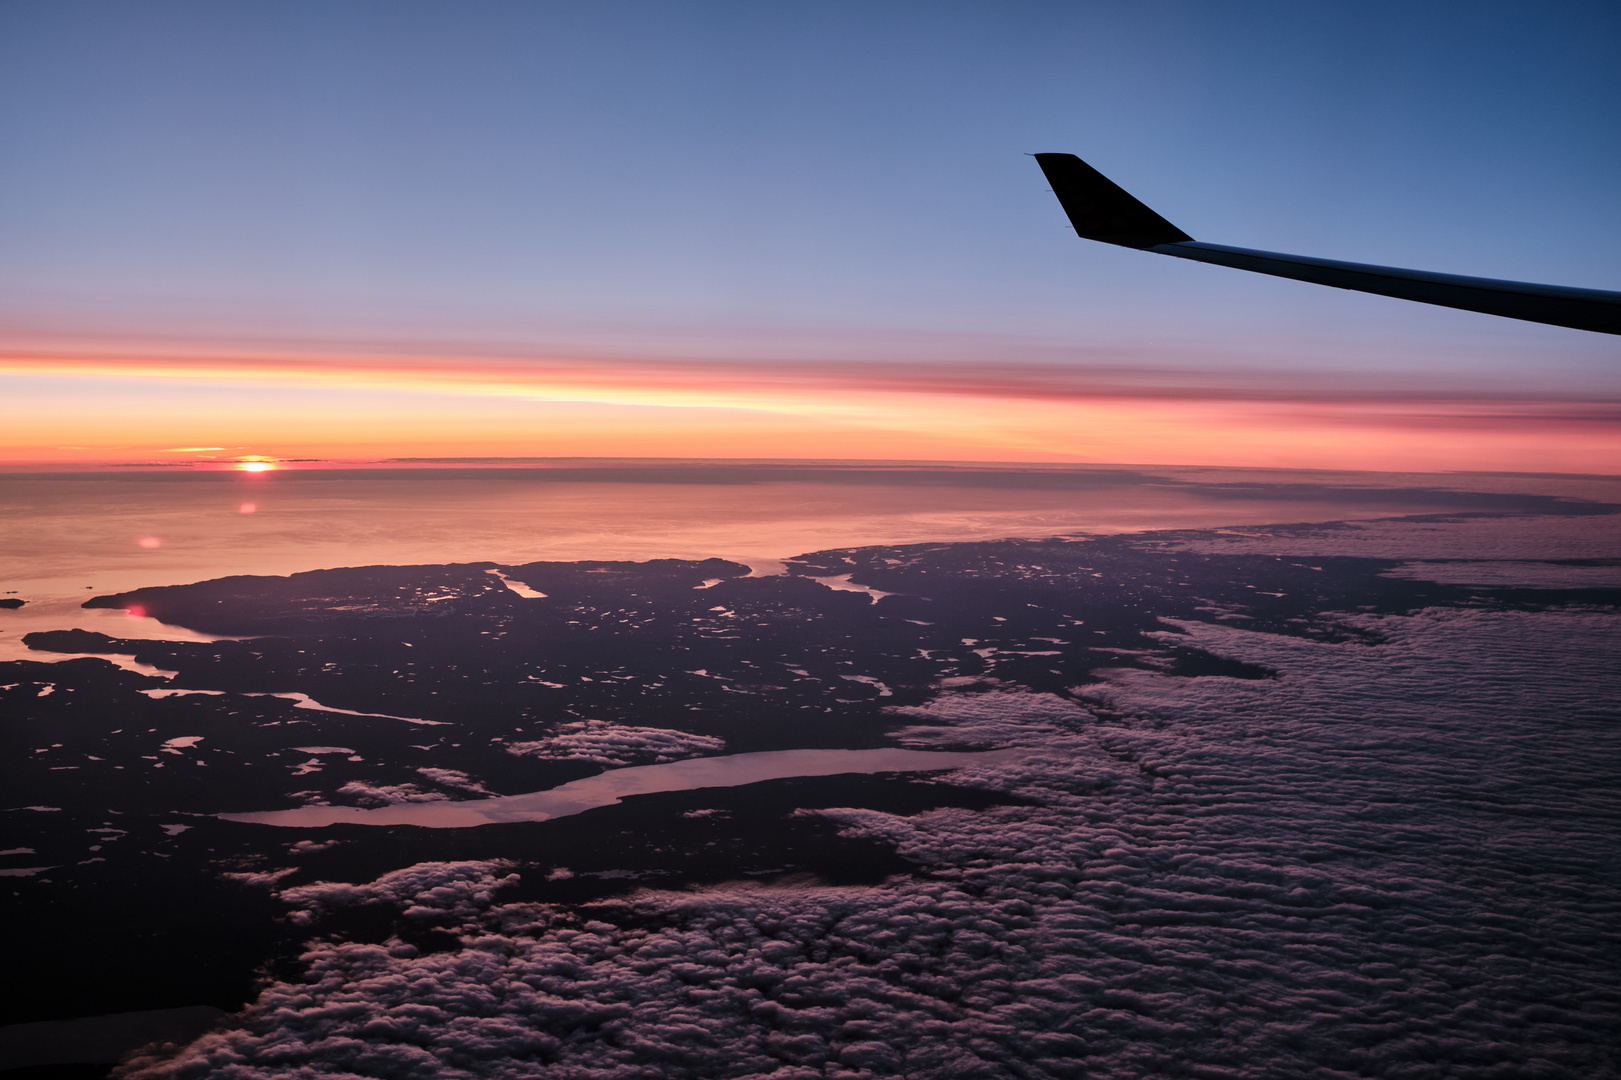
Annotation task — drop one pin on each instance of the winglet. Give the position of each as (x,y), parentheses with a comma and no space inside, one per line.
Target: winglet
(1100,209)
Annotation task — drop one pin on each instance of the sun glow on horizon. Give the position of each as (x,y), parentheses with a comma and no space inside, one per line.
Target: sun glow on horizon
(305,410)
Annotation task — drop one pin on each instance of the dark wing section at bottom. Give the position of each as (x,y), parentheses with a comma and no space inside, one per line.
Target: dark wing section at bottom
(1102,211)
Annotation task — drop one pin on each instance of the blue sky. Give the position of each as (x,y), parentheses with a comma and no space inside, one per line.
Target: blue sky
(804,180)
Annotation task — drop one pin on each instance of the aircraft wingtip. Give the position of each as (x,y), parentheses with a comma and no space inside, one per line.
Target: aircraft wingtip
(1102,210)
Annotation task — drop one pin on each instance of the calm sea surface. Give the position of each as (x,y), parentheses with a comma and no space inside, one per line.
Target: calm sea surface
(65,537)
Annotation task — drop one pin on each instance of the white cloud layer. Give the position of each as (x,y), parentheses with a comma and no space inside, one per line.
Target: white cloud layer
(618,744)
(1379,864)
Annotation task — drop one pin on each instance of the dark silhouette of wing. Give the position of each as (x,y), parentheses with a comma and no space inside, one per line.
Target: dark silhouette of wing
(1101,210)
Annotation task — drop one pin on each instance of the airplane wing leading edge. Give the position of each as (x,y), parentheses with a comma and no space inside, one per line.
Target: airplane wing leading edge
(1101,210)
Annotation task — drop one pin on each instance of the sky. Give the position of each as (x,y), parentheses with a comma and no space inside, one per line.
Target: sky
(360,230)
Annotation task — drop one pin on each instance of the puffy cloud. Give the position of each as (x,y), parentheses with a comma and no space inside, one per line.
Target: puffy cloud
(994,716)
(363,794)
(266,878)
(618,744)
(1381,863)
(453,778)
(437,888)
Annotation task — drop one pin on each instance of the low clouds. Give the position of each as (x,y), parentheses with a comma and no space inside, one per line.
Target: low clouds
(1394,860)
(991,718)
(453,778)
(361,793)
(618,744)
(432,889)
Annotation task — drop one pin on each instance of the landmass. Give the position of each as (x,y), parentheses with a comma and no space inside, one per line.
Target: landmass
(424,683)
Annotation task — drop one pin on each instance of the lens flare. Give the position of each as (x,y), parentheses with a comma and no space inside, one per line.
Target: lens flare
(248,508)
(150,542)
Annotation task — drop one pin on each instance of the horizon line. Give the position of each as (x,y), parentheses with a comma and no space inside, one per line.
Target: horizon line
(595,463)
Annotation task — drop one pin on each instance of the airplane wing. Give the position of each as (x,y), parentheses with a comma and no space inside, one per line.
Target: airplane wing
(1101,210)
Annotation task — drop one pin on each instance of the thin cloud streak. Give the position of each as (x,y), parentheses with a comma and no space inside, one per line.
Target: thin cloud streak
(710,382)
(296,400)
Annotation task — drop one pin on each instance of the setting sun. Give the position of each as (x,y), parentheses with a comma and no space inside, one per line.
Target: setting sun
(255,465)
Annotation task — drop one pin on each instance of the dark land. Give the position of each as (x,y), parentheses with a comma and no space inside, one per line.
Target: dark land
(151,902)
